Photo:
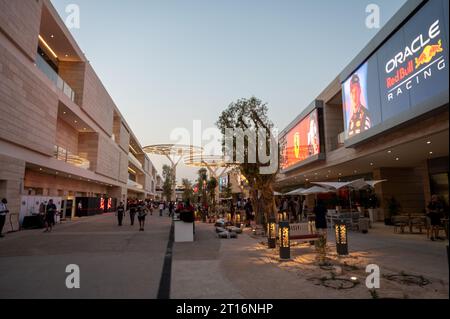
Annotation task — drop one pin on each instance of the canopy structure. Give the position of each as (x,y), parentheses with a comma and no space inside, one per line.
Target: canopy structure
(174,153)
(278,194)
(215,164)
(356,184)
(297,191)
(315,190)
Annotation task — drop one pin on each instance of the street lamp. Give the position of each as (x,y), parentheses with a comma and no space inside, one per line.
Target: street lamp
(340,229)
(285,244)
(271,233)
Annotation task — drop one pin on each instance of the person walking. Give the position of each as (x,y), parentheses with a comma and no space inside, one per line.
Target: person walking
(50,216)
(132,209)
(435,209)
(171,206)
(161,208)
(120,213)
(142,212)
(3,211)
(320,212)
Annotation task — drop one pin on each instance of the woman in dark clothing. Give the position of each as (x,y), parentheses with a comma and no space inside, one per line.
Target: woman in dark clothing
(120,213)
(142,212)
(248,212)
(435,209)
(133,208)
(320,211)
(50,216)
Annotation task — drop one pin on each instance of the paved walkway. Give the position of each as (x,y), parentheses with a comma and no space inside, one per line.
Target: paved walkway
(115,262)
(245,268)
(121,262)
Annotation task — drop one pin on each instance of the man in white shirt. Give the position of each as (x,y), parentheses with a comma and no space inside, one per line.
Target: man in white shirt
(3,211)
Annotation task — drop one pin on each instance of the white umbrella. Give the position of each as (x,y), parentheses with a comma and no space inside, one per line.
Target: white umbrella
(338,185)
(356,184)
(297,191)
(374,182)
(277,194)
(315,190)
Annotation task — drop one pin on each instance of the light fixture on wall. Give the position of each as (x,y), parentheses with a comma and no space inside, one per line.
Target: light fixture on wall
(47,46)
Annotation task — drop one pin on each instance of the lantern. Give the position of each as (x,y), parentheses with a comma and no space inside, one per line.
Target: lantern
(340,229)
(285,244)
(229,217)
(271,233)
(238,219)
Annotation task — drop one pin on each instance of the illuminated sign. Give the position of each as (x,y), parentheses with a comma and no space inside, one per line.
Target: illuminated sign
(399,80)
(301,142)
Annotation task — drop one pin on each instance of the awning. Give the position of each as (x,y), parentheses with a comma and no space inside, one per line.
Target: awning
(315,190)
(356,184)
(297,191)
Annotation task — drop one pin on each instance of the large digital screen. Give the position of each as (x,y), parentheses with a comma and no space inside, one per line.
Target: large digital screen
(405,73)
(301,142)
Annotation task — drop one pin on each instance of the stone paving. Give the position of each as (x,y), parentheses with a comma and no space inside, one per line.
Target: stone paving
(245,268)
(121,262)
(115,262)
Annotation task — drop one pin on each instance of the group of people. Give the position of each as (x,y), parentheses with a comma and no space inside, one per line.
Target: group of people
(295,206)
(134,207)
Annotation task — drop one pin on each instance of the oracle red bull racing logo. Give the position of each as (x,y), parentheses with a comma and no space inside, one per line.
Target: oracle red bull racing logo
(428,53)
(416,63)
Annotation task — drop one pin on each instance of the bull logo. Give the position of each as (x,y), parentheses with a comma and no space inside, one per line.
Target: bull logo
(428,53)
(297,144)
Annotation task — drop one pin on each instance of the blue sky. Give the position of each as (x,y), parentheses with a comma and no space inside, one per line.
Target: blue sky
(167,63)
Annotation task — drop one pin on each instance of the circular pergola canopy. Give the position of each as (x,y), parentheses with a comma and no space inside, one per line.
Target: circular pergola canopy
(172,149)
(212,161)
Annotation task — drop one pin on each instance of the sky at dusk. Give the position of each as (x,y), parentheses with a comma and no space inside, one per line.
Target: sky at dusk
(167,63)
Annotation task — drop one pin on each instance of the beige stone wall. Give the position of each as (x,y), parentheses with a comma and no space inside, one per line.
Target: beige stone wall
(28,104)
(96,101)
(20,21)
(333,123)
(123,167)
(405,185)
(121,133)
(53,184)
(73,73)
(88,148)
(11,183)
(107,158)
(66,136)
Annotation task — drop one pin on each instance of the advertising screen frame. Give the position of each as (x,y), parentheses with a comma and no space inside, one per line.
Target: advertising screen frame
(317,106)
(398,25)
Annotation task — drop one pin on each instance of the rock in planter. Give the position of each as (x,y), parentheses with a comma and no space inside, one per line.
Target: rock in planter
(227,234)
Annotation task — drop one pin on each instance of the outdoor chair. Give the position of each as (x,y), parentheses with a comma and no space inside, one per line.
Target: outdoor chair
(400,222)
(418,222)
(332,215)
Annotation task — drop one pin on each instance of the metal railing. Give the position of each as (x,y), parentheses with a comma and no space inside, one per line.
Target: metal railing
(135,185)
(134,160)
(54,77)
(61,154)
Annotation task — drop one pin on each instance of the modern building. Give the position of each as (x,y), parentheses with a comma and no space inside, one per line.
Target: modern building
(385,116)
(62,136)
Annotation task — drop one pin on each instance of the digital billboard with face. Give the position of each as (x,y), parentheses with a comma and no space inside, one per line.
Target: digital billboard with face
(301,142)
(404,74)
